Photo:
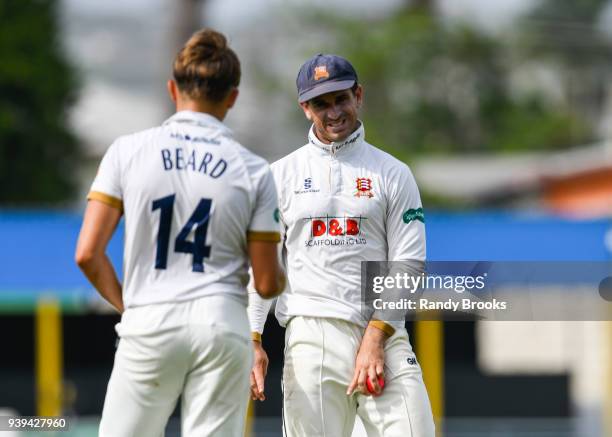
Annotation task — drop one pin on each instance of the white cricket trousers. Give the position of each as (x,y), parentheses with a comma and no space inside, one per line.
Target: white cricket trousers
(319,364)
(200,349)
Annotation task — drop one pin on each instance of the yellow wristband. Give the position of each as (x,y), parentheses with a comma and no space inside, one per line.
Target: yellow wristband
(384,327)
(256,336)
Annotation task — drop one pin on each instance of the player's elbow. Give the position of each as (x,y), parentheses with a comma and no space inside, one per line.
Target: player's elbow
(268,292)
(84,257)
(270,286)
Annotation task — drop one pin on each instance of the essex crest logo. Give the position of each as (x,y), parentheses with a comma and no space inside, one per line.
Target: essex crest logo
(364,188)
(320,72)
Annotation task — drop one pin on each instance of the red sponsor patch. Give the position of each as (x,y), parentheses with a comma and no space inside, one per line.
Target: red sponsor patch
(335,226)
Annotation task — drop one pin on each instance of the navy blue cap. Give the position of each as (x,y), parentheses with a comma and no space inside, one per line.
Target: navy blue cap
(323,74)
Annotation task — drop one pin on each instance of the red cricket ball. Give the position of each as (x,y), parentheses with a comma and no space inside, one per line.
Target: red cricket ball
(381,384)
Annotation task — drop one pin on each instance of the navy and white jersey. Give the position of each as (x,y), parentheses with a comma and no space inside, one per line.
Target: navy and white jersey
(192,197)
(341,204)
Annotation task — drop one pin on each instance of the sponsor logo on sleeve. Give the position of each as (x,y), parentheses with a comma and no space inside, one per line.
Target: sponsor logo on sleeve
(414,214)
(276,215)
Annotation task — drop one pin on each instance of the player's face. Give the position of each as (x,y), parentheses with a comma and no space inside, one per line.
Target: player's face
(334,114)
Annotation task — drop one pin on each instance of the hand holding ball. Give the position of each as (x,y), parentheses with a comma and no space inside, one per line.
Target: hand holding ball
(370,387)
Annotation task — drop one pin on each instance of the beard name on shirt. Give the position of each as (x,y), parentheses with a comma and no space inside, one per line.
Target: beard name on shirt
(181,159)
(335,231)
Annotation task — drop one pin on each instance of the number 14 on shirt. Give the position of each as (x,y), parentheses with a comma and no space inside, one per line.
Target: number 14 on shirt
(197,248)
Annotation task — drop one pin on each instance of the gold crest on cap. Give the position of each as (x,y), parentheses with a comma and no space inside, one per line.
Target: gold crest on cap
(320,72)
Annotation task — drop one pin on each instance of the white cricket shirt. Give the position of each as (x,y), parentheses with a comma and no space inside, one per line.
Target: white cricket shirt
(340,204)
(192,196)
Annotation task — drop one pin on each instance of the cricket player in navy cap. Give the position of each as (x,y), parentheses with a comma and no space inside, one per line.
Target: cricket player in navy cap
(342,201)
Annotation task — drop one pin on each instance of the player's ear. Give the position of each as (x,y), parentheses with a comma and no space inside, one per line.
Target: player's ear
(359,95)
(230,100)
(172,90)
(306,110)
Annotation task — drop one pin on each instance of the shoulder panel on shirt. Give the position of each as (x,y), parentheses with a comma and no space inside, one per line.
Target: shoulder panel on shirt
(130,144)
(395,171)
(256,166)
(385,159)
(287,165)
(288,161)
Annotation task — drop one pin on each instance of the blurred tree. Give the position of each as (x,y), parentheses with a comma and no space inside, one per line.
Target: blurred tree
(436,87)
(38,153)
(567,36)
(582,11)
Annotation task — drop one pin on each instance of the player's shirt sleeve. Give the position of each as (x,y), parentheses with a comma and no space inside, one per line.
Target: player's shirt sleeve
(405,228)
(264,224)
(106,186)
(405,219)
(259,308)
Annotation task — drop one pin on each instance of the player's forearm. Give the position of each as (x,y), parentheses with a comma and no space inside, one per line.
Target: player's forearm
(268,278)
(375,335)
(101,274)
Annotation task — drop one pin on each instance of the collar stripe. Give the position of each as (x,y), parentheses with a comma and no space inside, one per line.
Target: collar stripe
(198,119)
(355,138)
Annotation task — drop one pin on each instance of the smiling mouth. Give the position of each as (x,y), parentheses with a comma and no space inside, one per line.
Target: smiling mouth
(336,125)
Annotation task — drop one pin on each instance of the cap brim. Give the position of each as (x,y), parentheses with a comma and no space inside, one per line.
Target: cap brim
(326,87)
